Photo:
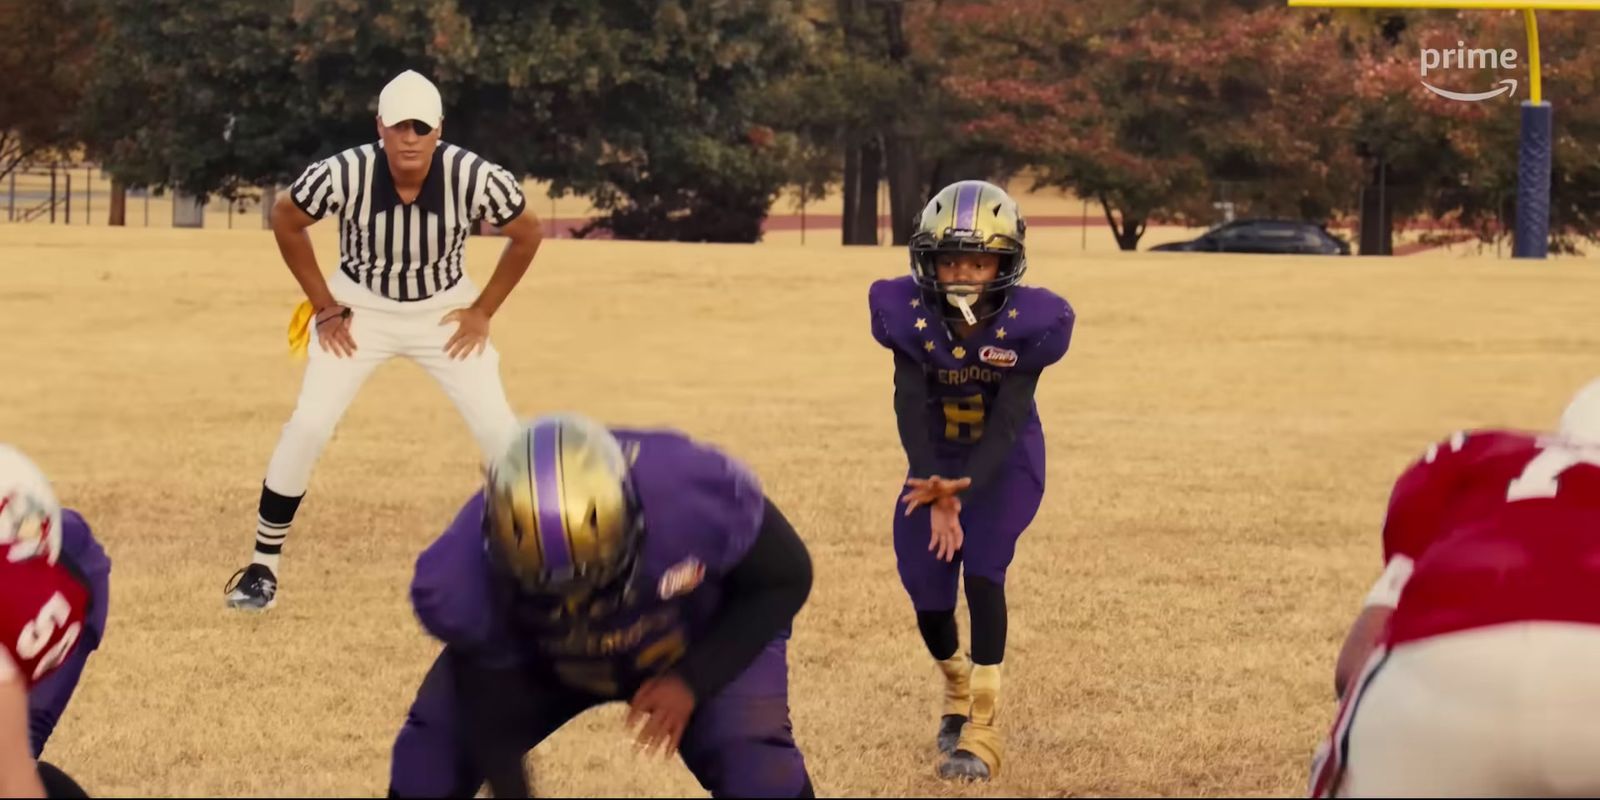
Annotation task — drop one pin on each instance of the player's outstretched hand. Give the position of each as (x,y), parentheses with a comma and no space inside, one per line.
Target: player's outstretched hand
(333,331)
(945,525)
(472,332)
(665,703)
(927,491)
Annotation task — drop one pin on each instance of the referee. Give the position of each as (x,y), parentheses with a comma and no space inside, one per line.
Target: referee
(406,206)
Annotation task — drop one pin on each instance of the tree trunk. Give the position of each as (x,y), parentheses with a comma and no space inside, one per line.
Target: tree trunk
(867,198)
(852,175)
(1128,231)
(1377,214)
(269,198)
(119,204)
(953,170)
(906,196)
(861,195)
(894,28)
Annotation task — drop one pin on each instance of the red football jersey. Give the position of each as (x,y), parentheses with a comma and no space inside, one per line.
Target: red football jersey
(1502,526)
(42,608)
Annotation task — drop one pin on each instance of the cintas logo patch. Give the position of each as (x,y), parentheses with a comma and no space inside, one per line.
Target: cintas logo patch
(682,578)
(998,356)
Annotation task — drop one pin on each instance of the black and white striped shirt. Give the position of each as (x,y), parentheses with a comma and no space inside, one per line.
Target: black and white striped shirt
(406,252)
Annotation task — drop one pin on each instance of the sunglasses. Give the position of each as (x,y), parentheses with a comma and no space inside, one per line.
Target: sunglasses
(421,128)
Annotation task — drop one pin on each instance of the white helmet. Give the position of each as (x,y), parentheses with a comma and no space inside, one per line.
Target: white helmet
(30,516)
(1581,420)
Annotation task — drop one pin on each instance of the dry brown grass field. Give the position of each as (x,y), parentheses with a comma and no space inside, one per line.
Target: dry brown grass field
(1222,438)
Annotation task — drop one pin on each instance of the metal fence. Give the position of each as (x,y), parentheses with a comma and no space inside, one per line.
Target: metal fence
(81,194)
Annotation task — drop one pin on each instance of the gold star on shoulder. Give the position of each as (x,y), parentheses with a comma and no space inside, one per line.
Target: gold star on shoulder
(959,352)
(1013,314)
(1000,333)
(928,346)
(916,303)
(921,323)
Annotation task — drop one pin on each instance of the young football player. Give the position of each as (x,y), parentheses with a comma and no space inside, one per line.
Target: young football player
(969,344)
(601,565)
(53,581)
(1468,671)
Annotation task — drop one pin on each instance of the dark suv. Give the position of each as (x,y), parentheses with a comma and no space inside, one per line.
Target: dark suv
(1281,236)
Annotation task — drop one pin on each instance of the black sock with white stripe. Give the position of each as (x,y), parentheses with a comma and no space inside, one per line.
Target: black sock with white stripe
(273,519)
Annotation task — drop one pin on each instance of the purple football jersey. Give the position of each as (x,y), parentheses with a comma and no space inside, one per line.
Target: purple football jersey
(702,511)
(1032,332)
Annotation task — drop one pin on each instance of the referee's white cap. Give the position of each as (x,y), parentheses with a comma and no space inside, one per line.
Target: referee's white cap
(410,96)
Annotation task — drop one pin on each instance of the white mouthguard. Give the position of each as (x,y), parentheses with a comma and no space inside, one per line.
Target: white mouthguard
(959,300)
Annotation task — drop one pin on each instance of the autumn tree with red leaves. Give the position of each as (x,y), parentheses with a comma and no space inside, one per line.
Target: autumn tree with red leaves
(1147,110)
(1457,161)
(44,48)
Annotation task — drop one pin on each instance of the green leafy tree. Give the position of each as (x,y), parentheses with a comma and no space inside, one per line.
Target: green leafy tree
(871,109)
(643,106)
(200,97)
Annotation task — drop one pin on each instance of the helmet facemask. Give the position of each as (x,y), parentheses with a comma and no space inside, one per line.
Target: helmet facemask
(965,301)
(968,217)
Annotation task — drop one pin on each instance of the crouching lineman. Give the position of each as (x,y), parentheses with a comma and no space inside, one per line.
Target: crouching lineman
(600,565)
(1471,670)
(53,579)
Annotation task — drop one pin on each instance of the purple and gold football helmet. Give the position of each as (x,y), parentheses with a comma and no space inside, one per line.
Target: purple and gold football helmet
(969,216)
(561,515)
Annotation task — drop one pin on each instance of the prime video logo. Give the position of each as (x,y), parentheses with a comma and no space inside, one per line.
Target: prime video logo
(1476,58)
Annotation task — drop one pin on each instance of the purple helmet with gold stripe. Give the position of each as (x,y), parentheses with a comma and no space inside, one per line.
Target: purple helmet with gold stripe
(974,217)
(561,515)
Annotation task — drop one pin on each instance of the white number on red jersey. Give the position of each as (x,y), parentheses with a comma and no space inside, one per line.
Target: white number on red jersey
(1539,478)
(38,633)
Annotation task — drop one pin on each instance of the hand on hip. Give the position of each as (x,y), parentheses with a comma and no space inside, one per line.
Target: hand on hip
(333,330)
(472,332)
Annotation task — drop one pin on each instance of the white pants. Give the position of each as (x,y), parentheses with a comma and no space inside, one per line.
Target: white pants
(384,329)
(1507,711)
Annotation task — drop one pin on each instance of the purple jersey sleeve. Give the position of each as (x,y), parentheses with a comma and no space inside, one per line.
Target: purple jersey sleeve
(741,503)
(700,505)
(79,544)
(888,301)
(450,590)
(80,547)
(1046,322)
